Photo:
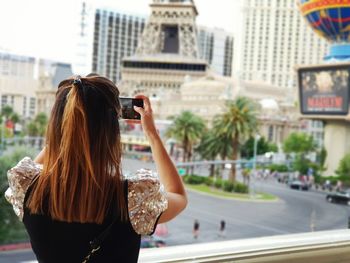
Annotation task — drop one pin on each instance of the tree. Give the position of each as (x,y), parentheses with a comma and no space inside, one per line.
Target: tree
(32,129)
(237,122)
(301,144)
(41,120)
(11,229)
(7,111)
(37,127)
(207,151)
(344,166)
(187,129)
(15,117)
(212,145)
(263,146)
(10,119)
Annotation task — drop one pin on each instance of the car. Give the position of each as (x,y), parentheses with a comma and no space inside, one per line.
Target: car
(341,197)
(299,185)
(152,241)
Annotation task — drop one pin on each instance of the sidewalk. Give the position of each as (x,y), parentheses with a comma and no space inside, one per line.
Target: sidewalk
(16,246)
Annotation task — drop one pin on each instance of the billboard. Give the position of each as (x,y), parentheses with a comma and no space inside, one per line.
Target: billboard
(324,90)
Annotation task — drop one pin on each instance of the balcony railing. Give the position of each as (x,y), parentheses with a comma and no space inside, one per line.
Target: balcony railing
(321,247)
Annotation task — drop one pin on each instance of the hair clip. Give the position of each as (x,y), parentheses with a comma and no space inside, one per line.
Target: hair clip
(77,81)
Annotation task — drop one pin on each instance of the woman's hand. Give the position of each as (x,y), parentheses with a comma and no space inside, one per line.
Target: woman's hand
(147,120)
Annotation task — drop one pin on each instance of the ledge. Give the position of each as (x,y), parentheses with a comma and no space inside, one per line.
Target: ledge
(321,247)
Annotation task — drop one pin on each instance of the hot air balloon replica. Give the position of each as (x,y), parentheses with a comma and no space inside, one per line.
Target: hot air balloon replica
(330,19)
(324,90)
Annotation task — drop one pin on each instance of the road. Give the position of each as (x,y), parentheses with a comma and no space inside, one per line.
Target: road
(295,212)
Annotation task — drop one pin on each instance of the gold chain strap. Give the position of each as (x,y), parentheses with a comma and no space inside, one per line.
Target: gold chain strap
(92,251)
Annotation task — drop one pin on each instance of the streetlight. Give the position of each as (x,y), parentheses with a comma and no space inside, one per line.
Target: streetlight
(256,139)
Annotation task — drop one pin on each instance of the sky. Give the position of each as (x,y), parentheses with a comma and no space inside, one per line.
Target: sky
(49,28)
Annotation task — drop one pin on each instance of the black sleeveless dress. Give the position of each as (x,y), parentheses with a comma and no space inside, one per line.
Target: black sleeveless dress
(61,242)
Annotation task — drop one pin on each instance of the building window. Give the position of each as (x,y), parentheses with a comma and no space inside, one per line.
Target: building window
(270,133)
(3,101)
(24,106)
(32,102)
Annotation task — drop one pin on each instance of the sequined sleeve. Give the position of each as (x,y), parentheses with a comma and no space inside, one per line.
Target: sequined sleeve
(19,178)
(146,201)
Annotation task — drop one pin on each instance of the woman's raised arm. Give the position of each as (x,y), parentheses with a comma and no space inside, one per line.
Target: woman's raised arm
(169,177)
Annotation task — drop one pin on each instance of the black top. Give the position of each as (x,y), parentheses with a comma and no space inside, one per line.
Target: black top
(56,241)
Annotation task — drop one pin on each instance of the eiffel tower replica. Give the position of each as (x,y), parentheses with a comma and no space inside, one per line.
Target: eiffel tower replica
(167,53)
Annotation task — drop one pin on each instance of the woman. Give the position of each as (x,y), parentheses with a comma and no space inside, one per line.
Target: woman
(72,198)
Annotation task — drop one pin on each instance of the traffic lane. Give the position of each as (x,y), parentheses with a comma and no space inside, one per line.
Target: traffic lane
(248,219)
(240,219)
(311,205)
(294,216)
(17,256)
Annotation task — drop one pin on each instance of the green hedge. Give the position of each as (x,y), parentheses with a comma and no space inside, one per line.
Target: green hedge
(241,188)
(11,229)
(218,183)
(209,181)
(228,186)
(278,168)
(225,185)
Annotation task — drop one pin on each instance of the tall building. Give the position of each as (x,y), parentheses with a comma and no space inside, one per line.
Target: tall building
(24,82)
(50,74)
(167,53)
(17,83)
(216,47)
(275,39)
(106,36)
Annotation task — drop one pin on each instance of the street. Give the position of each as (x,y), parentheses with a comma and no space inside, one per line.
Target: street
(295,212)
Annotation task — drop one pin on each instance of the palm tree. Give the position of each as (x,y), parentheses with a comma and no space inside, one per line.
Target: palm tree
(237,122)
(213,144)
(41,120)
(223,140)
(207,149)
(187,129)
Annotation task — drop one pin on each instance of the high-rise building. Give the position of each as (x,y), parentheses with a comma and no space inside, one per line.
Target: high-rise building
(17,83)
(106,36)
(50,74)
(24,82)
(216,47)
(275,39)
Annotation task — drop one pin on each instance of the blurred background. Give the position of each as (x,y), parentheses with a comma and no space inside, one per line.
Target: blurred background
(240,96)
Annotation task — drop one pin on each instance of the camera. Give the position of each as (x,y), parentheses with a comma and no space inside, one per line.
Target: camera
(128,111)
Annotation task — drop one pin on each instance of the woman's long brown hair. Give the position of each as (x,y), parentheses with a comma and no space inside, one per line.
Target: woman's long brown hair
(81,177)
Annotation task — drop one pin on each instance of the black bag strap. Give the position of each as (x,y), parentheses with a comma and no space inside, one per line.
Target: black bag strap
(96,243)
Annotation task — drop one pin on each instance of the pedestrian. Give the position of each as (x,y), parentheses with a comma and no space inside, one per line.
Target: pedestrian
(246,176)
(222,232)
(73,199)
(339,186)
(196,229)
